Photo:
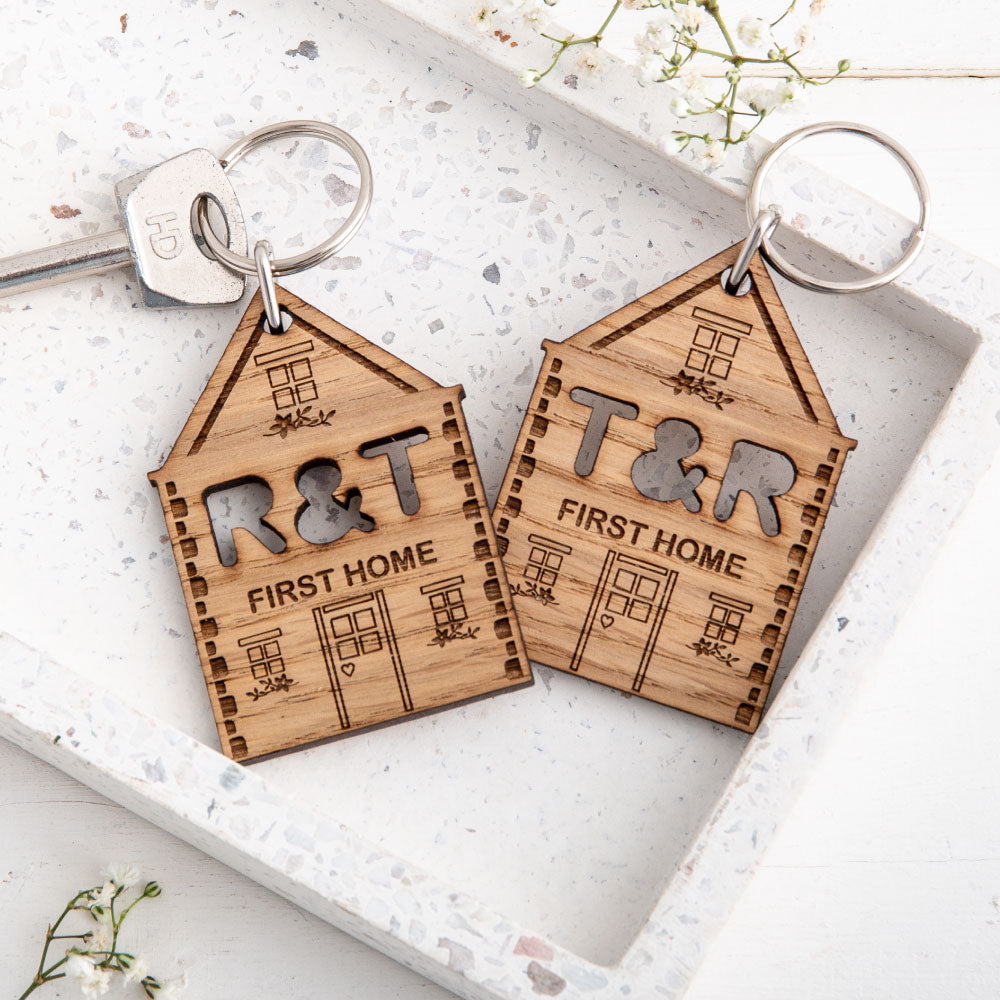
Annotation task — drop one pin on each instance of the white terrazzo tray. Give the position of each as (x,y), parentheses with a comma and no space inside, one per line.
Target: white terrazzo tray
(559,841)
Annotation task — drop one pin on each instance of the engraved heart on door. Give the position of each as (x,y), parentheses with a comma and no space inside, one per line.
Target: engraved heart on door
(363,663)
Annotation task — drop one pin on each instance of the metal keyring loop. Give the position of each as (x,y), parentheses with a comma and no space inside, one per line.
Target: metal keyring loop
(263,260)
(309,258)
(793,273)
(766,222)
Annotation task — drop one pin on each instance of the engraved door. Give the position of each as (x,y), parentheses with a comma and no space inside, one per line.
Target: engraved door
(625,616)
(362,659)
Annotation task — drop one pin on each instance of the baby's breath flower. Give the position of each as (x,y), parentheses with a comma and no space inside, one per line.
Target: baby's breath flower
(805,36)
(763,99)
(691,17)
(668,49)
(104,895)
(656,36)
(754,32)
(590,62)
(692,83)
(712,153)
(674,143)
(100,939)
(136,969)
(650,68)
(124,876)
(481,17)
(790,90)
(93,981)
(535,16)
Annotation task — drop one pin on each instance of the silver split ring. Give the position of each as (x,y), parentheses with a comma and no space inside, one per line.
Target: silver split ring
(766,222)
(263,257)
(793,273)
(309,258)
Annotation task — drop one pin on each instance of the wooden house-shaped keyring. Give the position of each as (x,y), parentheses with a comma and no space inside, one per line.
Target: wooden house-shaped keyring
(667,492)
(333,540)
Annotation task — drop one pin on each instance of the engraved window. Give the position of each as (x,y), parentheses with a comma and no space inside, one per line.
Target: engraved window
(289,375)
(356,633)
(544,560)
(632,594)
(715,343)
(725,618)
(446,601)
(264,654)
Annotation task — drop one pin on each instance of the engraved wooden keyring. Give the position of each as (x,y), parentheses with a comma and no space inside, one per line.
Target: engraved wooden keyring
(673,473)
(332,535)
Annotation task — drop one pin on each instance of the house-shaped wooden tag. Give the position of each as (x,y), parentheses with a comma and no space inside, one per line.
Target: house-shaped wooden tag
(333,540)
(666,495)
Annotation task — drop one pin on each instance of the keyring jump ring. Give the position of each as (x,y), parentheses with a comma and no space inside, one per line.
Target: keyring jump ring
(763,225)
(793,273)
(309,258)
(262,256)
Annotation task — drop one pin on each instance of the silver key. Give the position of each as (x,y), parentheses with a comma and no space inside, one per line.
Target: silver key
(156,238)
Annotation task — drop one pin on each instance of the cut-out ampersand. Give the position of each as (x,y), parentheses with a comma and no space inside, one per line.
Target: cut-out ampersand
(323,518)
(659,475)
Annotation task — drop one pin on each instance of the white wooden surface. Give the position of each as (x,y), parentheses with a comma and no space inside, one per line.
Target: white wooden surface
(886,879)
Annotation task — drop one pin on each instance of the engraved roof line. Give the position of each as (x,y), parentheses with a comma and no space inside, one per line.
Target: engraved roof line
(782,352)
(675,303)
(234,377)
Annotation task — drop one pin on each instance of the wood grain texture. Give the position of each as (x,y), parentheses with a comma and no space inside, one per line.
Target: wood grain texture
(365,587)
(627,563)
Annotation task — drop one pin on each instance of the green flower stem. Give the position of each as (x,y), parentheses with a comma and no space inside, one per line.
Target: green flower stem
(565,43)
(686,46)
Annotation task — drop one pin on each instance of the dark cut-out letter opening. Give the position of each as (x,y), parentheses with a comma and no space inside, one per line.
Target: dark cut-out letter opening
(602,408)
(659,475)
(241,503)
(323,518)
(395,449)
(761,472)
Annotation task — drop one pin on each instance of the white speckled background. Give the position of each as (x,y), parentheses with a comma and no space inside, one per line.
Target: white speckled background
(565,806)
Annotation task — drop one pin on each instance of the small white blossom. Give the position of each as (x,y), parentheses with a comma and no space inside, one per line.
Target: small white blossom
(170,990)
(590,62)
(650,68)
(481,17)
(691,17)
(657,36)
(712,153)
(637,4)
(673,144)
(527,78)
(100,939)
(137,971)
(754,32)
(93,981)
(680,107)
(790,91)
(763,99)
(124,876)
(817,7)
(104,895)
(535,16)
(805,36)
(692,83)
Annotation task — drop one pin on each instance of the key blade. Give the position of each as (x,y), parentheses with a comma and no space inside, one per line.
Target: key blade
(81,258)
(156,211)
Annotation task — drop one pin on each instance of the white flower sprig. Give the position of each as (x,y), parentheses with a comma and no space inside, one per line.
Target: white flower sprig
(96,959)
(667,48)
